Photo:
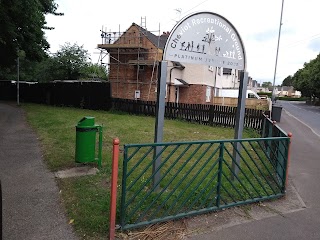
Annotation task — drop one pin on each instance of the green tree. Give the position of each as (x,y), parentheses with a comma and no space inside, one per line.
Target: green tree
(46,70)
(287,81)
(70,61)
(301,82)
(307,79)
(95,71)
(266,84)
(21,28)
(314,76)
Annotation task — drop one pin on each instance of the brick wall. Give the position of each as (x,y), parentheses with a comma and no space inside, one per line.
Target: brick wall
(125,78)
(126,90)
(191,94)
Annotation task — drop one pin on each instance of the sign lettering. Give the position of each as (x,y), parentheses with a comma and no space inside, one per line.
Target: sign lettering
(206,38)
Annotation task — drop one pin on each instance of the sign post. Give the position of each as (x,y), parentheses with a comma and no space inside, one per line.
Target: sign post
(201,38)
(160,108)
(239,122)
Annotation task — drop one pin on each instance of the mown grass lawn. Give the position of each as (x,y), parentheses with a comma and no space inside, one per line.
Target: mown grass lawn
(86,199)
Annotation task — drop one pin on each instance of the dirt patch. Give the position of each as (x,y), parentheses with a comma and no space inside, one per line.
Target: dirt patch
(238,215)
(76,172)
(173,230)
(191,228)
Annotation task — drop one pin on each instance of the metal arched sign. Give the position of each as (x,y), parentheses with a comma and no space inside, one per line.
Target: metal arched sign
(206,38)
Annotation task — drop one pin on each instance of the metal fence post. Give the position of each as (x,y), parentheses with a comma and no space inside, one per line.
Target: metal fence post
(114,183)
(288,158)
(264,122)
(220,174)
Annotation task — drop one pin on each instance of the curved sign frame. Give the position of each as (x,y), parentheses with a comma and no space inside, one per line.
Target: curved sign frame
(206,38)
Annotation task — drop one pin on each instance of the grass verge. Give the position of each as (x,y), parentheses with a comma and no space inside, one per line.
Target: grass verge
(87,198)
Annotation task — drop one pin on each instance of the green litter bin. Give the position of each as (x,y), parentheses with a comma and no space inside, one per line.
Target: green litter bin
(86,140)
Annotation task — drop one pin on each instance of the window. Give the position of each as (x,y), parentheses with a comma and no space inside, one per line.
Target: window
(250,95)
(208,94)
(141,67)
(227,71)
(219,71)
(217,92)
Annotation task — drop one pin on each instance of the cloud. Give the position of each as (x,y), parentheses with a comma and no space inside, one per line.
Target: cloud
(314,45)
(256,21)
(265,35)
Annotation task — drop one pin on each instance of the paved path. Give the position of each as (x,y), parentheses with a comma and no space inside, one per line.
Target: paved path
(304,173)
(31,208)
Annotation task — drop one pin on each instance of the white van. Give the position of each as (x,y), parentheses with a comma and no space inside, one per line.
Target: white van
(235,93)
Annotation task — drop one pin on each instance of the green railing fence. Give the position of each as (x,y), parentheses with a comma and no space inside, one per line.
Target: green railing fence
(198,177)
(273,149)
(271,129)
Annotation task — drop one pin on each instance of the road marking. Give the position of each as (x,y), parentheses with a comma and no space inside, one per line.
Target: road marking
(303,108)
(317,134)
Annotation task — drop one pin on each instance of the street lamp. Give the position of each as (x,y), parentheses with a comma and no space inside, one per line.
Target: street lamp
(21,54)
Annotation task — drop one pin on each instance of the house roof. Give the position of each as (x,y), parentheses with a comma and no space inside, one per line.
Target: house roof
(178,65)
(286,88)
(159,41)
(254,83)
(180,82)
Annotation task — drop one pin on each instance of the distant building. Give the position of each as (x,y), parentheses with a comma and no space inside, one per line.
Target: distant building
(288,91)
(134,64)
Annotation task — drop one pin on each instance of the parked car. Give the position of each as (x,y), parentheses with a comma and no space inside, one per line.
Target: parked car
(235,93)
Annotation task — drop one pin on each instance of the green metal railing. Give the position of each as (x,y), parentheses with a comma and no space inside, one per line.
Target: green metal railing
(271,129)
(198,177)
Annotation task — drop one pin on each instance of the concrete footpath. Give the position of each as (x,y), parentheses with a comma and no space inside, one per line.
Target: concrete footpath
(31,207)
(304,174)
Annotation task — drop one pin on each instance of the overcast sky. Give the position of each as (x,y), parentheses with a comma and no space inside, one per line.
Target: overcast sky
(256,21)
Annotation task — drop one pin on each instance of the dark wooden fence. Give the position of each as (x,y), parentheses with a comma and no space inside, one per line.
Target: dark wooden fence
(214,115)
(82,94)
(97,95)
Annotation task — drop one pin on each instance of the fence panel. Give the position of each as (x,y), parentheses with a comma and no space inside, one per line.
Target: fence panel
(198,177)
(213,115)
(83,94)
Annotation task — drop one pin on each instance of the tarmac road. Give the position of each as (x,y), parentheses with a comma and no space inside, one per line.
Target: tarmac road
(31,207)
(304,173)
(307,114)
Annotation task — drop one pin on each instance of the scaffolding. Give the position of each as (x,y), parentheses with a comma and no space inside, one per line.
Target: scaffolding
(122,50)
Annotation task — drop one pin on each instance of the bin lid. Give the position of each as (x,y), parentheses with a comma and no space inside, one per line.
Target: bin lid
(276,106)
(86,122)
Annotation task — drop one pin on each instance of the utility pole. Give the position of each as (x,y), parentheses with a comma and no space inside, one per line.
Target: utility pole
(18,72)
(275,68)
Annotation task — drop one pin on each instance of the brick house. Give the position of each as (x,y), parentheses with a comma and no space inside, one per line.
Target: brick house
(133,74)
(190,83)
(134,56)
